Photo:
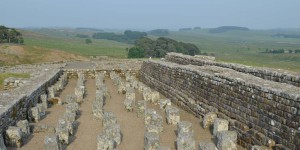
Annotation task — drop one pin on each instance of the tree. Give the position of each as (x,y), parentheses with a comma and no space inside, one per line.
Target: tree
(136,52)
(88,41)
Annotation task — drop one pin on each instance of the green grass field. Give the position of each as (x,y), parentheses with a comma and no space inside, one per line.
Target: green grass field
(66,41)
(244,47)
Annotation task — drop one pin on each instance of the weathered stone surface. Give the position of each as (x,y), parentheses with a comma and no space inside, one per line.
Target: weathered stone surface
(73,108)
(154,97)
(163,148)
(79,93)
(70,116)
(97,110)
(209,119)
(129,104)
(141,107)
(185,142)
(173,116)
(227,140)
(148,115)
(121,88)
(35,114)
(44,100)
(13,137)
(207,146)
(52,143)
(163,103)
(184,127)
(24,126)
(113,132)
(151,141)
(2,145)
(42,109)
(220,125)
(63,130)
(256,147)
(109,119)
(147,94)
(104,142)
(70,99)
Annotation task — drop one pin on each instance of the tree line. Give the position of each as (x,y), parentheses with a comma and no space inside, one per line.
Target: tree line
(128,36)
(10,35)
(146,47)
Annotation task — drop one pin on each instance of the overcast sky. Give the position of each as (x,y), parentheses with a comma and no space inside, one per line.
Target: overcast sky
(150,14)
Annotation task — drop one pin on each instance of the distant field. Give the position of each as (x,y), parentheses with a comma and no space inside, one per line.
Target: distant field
(65,40)
(244,47)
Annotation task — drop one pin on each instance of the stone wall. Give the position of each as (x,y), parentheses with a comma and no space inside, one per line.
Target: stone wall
(268,74)
(14,105)
(263,112)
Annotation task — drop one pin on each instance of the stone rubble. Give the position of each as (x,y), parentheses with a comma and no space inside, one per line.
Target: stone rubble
(151,141)
(227,140)
(13,137)
(209,119)
(207,146)
(141,107)
(24,126)
(163,103)
(185,136)
(220,125)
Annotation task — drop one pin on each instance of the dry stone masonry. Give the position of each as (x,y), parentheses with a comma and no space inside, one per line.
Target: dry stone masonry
(262,106)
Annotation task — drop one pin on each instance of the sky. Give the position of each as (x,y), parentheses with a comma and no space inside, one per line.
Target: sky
(150,14)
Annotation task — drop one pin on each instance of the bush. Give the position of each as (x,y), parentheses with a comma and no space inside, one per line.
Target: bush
(136,52)
(88,41)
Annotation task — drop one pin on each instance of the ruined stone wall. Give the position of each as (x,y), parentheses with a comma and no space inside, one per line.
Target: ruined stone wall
(262,112)
(268,74)
(14,105)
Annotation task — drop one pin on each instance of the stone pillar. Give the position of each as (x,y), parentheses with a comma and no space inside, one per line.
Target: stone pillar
(227,140)
(151,141)
(173,116)
(220,125)
(163,103)
(185,136)
(104,143)
(24,126)
(209,119)
(109,118)
(52,143)
(207,146)
(141,107)
(13,137)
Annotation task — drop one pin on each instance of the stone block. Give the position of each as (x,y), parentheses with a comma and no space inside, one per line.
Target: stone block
(42,109)
(44,100)
(209,119)
(207,146)
(79,93)
(52,142)
(35,114)
(154,97)
(163,148)
(13,137)
(147,94)
(185,142)
(141,87)
(151,141)
(63,130)
(141,107)
(163,103)
(100,98)
(227,140)
(70,99)
(220,125)
(97,110)
(153,128)
(72,107)
(184,127)
(173,116)
(114,132)
(2,145)
(148,115)
(24,126)
(109,118)
(130,93)
(104,142)
(129,104)
(70,116)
